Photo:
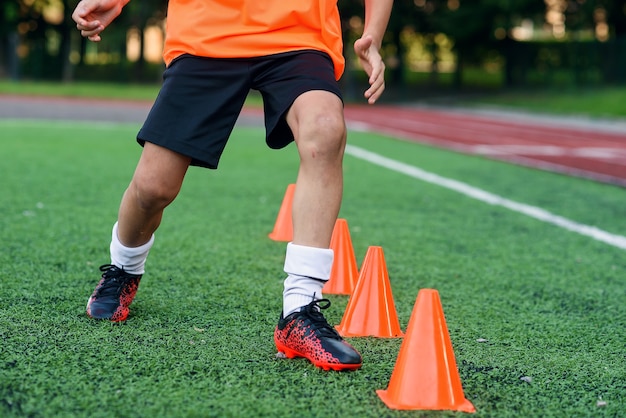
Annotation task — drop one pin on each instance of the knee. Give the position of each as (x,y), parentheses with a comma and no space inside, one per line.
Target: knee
(152,195)
(322,136)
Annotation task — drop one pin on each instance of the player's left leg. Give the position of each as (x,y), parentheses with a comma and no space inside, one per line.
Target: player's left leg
(316,120)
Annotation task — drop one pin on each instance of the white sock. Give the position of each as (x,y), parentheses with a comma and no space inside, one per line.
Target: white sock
(308,270)
(132,260)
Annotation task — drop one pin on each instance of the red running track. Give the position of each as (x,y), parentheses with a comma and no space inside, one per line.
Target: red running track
(592,150)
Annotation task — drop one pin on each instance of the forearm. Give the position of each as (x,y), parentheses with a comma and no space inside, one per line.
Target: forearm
(377,14)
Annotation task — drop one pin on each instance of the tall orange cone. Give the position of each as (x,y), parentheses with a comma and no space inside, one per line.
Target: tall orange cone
(283,228)
(425,376)
(344,273)
(371,311)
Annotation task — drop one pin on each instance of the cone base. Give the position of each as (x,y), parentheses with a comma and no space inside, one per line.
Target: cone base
(279,237)
(465,406)
(344,332)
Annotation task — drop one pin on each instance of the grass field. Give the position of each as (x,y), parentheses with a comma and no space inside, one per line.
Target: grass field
(81,89)
(549,302)
(606,102)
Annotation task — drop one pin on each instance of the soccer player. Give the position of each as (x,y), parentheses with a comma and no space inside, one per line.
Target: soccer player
(215,52)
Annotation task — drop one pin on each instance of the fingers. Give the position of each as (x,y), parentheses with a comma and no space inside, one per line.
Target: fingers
(94,38)
(91,31)
(374,67)
(91,34)
(377,86)
(82,18)
(88,28)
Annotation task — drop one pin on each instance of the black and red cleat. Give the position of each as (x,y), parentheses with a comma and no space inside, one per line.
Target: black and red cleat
(113,294)
(305,333)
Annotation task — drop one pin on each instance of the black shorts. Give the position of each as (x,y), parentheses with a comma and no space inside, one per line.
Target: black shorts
(201,98)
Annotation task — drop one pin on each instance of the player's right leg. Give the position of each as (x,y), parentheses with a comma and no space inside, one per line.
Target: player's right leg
(189,124)
(155,184)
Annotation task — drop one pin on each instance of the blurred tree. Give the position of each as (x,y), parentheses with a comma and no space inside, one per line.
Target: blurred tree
(615,15)
(47,36)
(25,28)
(477,28)
(66,29)
(41,36)
(405,16)
(41,31)
(139,14)
(9,14)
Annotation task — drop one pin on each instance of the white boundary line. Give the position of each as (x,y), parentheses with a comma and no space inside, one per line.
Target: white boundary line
(490,198)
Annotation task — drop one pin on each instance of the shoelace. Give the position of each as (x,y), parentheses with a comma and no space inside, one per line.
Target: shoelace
(112,285)
(313,312)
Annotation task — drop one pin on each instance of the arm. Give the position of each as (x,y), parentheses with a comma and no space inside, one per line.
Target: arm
(92,16)
(367,48)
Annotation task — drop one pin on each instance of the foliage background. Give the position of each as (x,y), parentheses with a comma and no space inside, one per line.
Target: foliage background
(430,44)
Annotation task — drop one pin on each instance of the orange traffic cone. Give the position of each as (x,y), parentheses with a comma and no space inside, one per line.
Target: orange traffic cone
(425,376)
(344,273)
(283,228)
(371,311)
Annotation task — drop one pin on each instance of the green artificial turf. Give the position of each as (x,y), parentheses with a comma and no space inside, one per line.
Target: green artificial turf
(599,102)
(522,298)
(104,90)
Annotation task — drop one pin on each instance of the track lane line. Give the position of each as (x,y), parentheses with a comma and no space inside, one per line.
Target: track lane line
(540,214)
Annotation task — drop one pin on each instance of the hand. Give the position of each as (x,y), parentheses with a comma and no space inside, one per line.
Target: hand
(373,65)
(92,16)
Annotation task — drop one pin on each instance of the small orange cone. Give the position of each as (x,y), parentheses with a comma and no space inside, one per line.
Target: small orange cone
(283,228)
(425,376)
(371,311)
(344,273)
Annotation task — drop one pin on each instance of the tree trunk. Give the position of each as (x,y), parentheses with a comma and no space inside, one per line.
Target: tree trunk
(13,60)
(458,71)
(67,73)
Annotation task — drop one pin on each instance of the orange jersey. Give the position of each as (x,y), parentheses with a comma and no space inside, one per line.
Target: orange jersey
(253,28)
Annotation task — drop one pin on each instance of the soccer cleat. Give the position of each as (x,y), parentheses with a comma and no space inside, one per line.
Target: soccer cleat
(113,294)
(305,333)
